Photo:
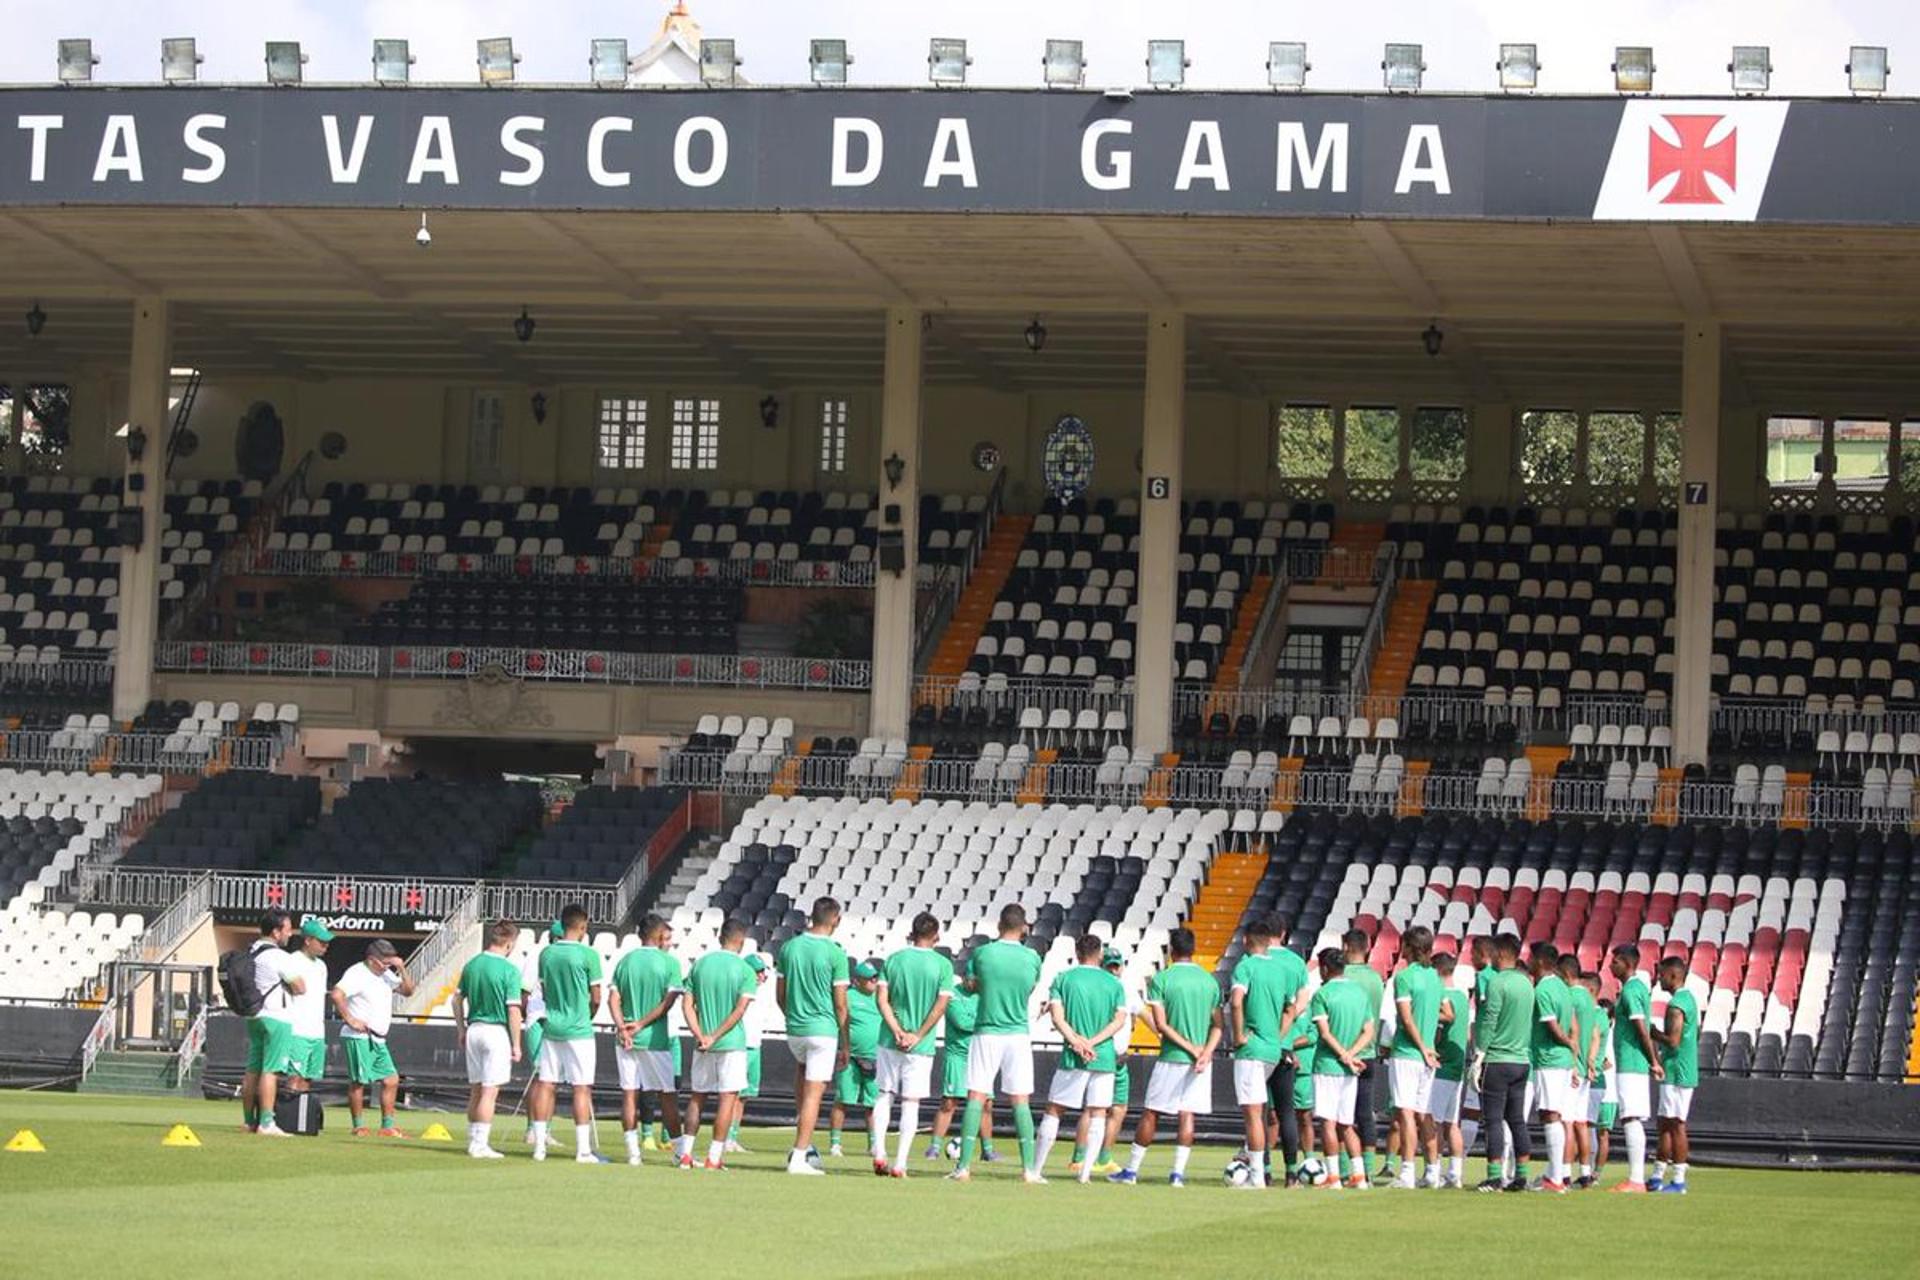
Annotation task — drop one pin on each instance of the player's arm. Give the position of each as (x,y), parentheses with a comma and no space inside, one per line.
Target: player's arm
(780,991)
(292,982)
(1404,1007)
(931,1021)
(1644,1035)
(1446,1013)
(691,1012)
(515,1021)
(840,1017)
(1328,1039)
(732,1020)
(1557,1029)
(1204,1058)
(1595,1062)
(658,1011)
(1068,1036)
(1670,1034)
(618,1014)
(594,992)
(1157,1019)
(1239,1013)
(883,1000)
(459,1004)
(339,999)
(1361,1045)
(399,966)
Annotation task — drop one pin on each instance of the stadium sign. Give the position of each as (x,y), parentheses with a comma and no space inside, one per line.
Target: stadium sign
(999,151)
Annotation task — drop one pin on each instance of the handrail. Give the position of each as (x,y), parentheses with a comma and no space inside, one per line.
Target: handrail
(146,752)
(1277,588)
(691,570)
(170,928)
(432,952)
(932,613)
(190,1044)
(1359,680)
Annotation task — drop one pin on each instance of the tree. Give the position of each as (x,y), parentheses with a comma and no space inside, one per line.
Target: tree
(1549,441)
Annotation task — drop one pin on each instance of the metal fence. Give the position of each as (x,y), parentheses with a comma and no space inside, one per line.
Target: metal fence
(1375,629)
(441,943)
(1019,692)
(745,571)
(1336,566)
(1748,716)
(69,673)
(147,752)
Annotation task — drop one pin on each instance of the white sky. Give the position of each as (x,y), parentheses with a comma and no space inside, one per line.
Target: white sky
(1226,39)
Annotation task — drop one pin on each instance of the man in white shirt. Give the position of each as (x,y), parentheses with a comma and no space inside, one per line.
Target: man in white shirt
(307,1011)
(364,1000)
(269,1029)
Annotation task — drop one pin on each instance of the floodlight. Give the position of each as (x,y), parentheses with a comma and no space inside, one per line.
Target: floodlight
(179,60)
(607,63)
(77,61)
(495,58)
(828,60)
(1167,63)
(1287,65)
(1867,68)
(391,61)
(1519,67)
(284,61)
(718,63)
(947,61)
(1064,65)
(1751,68)
(1633,69)
(1403,66)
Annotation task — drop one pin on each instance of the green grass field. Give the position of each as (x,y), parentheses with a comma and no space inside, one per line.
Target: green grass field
(108,1199)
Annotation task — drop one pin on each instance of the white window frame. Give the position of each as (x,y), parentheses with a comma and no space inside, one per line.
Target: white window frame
(620,432)
(696,434)
(834,413)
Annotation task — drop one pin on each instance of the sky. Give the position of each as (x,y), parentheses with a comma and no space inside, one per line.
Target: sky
(1226,39)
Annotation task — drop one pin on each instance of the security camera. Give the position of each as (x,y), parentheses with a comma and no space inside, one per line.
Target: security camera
(423,237)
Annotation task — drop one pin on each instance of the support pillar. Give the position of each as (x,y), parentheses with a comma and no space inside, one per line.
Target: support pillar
(893,592)
(1693,571)
(145,491)
(1163,442)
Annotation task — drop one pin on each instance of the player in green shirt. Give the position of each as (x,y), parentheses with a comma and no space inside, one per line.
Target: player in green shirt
(1679,1044)
(1636,1061)
(812,992)
(1412,1058)
(1101,1156)
(486,1021)
(1004,972)
(1354,945)
(1343,1016)
(856,1085)
(1502,1034)
(1455,1028)
(1600,1107)
(1586,1015)
(1183,1004)
(1553,1054)
(719,990)
(1304,1036)
(570,974)
(1088,1006)
(647,982)
(1261,1003)
(963,1010)
(913,992)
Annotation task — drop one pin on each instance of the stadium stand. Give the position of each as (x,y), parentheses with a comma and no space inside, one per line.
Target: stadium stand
(45,954)
(52,818)
(607,614)
(598,834)
(233,821)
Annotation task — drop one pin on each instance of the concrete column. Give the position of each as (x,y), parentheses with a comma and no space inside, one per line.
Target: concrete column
(146,484)
(1693,571)
(893,593)
(1163,439)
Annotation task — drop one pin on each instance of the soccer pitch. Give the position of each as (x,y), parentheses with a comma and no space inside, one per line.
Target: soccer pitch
(107,1199)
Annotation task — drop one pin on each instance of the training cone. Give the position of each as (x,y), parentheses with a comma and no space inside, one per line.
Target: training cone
(25,1141)
(435,1133)
(180,1136)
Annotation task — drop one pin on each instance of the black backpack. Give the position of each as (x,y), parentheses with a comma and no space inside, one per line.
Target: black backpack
(237,986)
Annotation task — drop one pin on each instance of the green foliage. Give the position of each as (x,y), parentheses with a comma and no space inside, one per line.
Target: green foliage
(1373,444)
(1439,447)
(1616,449)
(1303,441)
(1549,446)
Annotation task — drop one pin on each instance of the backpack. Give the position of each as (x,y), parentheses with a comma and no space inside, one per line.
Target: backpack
(237,985)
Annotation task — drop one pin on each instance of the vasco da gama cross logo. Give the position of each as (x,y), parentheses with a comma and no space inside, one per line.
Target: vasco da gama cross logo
(1692,158)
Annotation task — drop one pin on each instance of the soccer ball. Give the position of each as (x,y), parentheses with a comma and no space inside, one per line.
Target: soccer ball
(1239,1172)
(953,1148)
(1311,1170)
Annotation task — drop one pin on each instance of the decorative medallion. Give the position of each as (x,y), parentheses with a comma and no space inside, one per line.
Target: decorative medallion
(1067,464)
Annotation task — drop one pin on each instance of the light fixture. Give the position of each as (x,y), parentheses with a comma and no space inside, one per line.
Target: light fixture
(136,445)
(1751,68)
(539,406)
(1403,67)
(36,320)
(1036,335)
(1432,338)
(284,61)
(1167,63)
(333,446)
(523,326)
(179,60)
(828,60)
(896,469)
(1064,64)
(1287,65)
(76,61)
(947,61)
(1519,67)
(495,58)
(769,411)
(607,63)
(391,62)
(718,64)
(1867,69)
(423,237)
(1633,69)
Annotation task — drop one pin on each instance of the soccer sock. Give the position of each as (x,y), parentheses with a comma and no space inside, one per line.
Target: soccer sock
(1636,1151)
(1346,1166)
(1096,1135)
(715,1150)
(1137,1158)
(1023,1127)
(583,1139)
(1556,1150)
(1680,1174)
(477,1134)
(539,1130)
(1393,1165)
(1180,1157)
(836,1137)
(633,1141)
(1586,1171)
(1660,1170)
(733,1133)
(877,1122)
(1049,1133)
(386,1119)
(970,1129)
(1457,1166)
(909,1122)
(1258,1160)
(1520,1171)
(251,1115)
(1079,1151)
(683,1146)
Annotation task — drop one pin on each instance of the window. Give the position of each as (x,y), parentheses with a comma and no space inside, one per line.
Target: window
(1666,452)
(1373,444)
(833,434)
(696,435)
(46,425)
(1616,449)
(1549,441)
(1793,452)
(1303,441)
(1860,453)
(623,433)
(1439,444)
(484,432)
(1910,456)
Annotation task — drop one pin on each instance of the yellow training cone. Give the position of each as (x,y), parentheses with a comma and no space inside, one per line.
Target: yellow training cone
(436,1133)
(25,1141)
(180,1136)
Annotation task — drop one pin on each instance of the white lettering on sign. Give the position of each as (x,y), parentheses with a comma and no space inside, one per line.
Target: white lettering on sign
(952,154)
(716,134)
(1118,175)
(346,168)
(39,127)
(206,148)
(1423,160)
(119,150)
(533,161)
(1203,158)
(433,152)
(845,128)
(597,151)
(1326,163)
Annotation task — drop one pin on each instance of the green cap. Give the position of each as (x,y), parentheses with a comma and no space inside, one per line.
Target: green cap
(555,930)
(316,930)
(757,962)
(1110,957)
(865,969)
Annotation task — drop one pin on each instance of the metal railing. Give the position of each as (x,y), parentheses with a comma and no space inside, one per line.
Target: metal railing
(1375,629)
(1741,716)
(162,934)
(147,752)
(1335,566)
(1270,612)
(683,820)
(519,900)
(933,606)
(745,571)
(1020,691)
(235,657)
(441,943)
(191,1043)
(64,673)
(99,1037)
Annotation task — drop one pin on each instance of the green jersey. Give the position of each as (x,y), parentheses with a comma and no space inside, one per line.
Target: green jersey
(1552,1002)
(1419,986)
(1347,1008)
(863,1024)
(1373,984)
(568,973)
(1188,998)
(1004,975)
(1505,1025)
(1089,997)
(489,985)
(963,1011)
(1635,1004)
(1682,1062)
(1586,1011)
(643,978)
(1603,1056)
(1262,983)
(1482,978)
(717,982)
(813,965)
(915,979)
(1453,1037)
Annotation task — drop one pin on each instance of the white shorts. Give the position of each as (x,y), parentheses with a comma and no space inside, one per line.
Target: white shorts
(1250,1080)
(1553,1091)
(1675,1101)
(489,1054)
(1005,1057)
(816,1056)
(1081,1089)
(1579,1099)
(645,1070)
(1410,1082)
(567,1061)
(1175,1088)
(1596,1099)
(905,1075)
(1634,1091)
(724,1071)
(1334,1096)
(1443,1100)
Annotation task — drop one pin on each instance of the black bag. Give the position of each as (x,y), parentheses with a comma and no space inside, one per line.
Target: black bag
(237,986)
(299,1113)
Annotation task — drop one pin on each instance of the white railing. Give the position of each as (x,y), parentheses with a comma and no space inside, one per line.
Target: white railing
(1270,611)
(99,1038)
(1741,716)
(446,938)
(94,672)
(190,1045)
(240,657)
(1376,626)
(1020,691)
(189,897)
(147,752)
(744,571)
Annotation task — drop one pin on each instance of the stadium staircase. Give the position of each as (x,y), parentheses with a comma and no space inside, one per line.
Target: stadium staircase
(1399,645)
(1228,678)
(145,1072)
(1351,552)
(1221,903)
(975,605)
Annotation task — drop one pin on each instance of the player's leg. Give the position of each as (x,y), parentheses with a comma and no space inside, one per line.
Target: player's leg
(836,1122)
(389,1104)
(814,1057)
(1365,1104)
(1182,1148)
(1494,1084)
(1519,1137)
(916,1080)
(942,1119)
(1143,1134)
(1682,1152)
(357,1108)
(1250,1083)
(1280,1088)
